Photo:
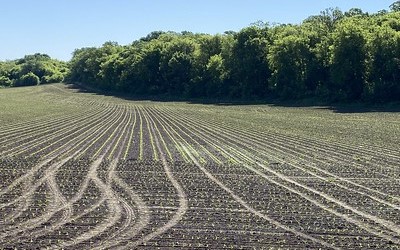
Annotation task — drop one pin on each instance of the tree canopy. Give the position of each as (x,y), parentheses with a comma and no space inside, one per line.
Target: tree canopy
(32,70)
(335,56)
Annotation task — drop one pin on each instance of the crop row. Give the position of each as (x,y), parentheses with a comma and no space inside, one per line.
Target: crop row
(212,139)
(136,174)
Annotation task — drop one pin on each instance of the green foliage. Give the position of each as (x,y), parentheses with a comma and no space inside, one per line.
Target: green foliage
(348,61)
(28,79)
(32,70)
(385,64)
(56,77)
(338,56)
(248,62)
(215,75)
(328,18)
(291,60)
(395,6)
(355,12)
(5,81)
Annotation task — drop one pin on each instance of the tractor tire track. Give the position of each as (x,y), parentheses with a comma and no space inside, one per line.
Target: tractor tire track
(377,232)
(183,201)
(252,210)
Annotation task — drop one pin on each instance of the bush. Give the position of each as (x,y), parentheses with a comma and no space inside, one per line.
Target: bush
(57,77)
(28,79)
(5,81)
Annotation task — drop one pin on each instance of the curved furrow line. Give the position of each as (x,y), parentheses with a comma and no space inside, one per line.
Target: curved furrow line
(32,124)
(23,204)
(62,203)
(118,141)
(109,127)
(89,210)
(140,136)
(29,174)
(112,137)
(54,154)
(215,143)
(325,153)
(333,153)
(160,120)
(43,121)
(77,197)
(95,131)
(159,124)
(373,229)
(41,232)
(371,193)
(18,130)
(143,217)
(66,205)
(183,201)
(313,166)
(58,200)
(167,120)
(17,228)
(59,138)
(296,164)
(315,202)
(25,133)
(113,215)
(241,201)
(83,139)
(47,230)
(351,148)
(260,149)
(116,237)
(333,147)
(254,211)
(131,135)
(120,144)
(333,144)
(250,157)
(150,131)
(123,137)
(180,135)
(46,141)
(341,149)
(360,224)
(44,132)
(110,197)
(271,141)
(127,231)
(197,142)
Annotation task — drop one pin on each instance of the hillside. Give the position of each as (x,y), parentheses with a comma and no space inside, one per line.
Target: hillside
(79,170)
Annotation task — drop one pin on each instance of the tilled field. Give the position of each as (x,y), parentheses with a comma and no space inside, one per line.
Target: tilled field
(85,171)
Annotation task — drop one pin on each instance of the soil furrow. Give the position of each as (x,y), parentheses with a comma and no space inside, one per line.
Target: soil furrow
(377,232)
(183,201)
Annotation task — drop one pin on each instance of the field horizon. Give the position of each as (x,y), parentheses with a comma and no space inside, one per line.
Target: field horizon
(82,170)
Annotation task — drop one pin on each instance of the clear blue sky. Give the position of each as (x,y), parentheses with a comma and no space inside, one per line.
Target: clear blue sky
(57,27)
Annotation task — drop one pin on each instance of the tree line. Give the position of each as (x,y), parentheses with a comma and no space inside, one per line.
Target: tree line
(334,56)
(32,70)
